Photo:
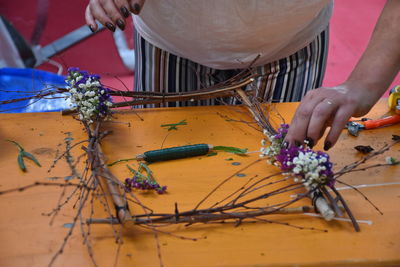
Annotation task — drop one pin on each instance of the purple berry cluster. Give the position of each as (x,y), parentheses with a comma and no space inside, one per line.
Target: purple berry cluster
(143,184)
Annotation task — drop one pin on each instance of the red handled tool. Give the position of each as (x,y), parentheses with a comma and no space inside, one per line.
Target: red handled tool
(394,104)
(354,127)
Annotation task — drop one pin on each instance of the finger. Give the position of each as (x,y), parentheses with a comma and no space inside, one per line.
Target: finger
(123,7)
(113,12)
(90,21)
(341,118)
(98,13)
(299,125)
(322,113)
(136,6)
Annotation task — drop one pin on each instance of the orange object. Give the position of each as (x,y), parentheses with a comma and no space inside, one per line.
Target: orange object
(371,124)
(27,239)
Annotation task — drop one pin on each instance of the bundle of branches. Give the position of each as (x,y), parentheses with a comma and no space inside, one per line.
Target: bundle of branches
(219,90)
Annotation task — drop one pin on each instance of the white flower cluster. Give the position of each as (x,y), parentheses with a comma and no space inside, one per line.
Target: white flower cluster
(391,161)
(309,167)
(86,96)
(272,150)
(308,164)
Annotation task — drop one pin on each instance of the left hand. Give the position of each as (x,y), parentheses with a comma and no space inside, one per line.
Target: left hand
(328,106)
(111,13)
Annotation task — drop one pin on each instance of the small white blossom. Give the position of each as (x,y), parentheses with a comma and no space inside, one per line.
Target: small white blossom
(391,160)
(263,142)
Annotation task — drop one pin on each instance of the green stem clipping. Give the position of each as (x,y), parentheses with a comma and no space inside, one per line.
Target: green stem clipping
(23,154)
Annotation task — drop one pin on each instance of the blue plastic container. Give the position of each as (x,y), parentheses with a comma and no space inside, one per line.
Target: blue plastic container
(20,83)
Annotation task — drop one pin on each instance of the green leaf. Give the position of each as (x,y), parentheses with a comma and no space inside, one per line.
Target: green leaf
(148,171)
(144,165)
(212,154)
(231,149)
(21,162)
(172,126)
(136,173)
(120,160)
(68,225)
(23,154)
(70,177)
(15,143)
(30,156)
(133,171)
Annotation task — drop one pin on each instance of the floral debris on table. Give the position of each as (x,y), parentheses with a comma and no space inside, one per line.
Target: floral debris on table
(143,182)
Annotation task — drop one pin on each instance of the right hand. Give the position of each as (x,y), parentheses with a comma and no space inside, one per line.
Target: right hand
(111,13)
(330,107)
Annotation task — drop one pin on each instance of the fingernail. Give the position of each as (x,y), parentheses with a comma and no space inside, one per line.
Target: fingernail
(309,141)
(285,144)
(110,26)
(136,8)
(121,24)
(297,143)
(91,28)
(124,12)
(327,145)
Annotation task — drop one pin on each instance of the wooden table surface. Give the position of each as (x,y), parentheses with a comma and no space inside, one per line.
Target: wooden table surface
(28,239)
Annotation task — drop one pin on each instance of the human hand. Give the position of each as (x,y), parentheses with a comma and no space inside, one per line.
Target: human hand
(111,12)
(372,75)
(328,107)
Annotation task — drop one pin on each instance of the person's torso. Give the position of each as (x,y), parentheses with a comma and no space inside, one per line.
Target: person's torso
(227,34)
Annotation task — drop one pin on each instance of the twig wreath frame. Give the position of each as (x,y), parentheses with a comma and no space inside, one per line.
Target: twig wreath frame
(302,166)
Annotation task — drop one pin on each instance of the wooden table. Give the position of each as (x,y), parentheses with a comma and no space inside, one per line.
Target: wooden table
(27,239)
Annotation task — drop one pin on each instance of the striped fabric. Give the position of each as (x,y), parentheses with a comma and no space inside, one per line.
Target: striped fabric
(285,80)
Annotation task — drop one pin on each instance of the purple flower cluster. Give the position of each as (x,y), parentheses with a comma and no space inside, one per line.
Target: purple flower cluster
(282,131)
(85,75)
(143,184)
(104,98)
(286,156)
